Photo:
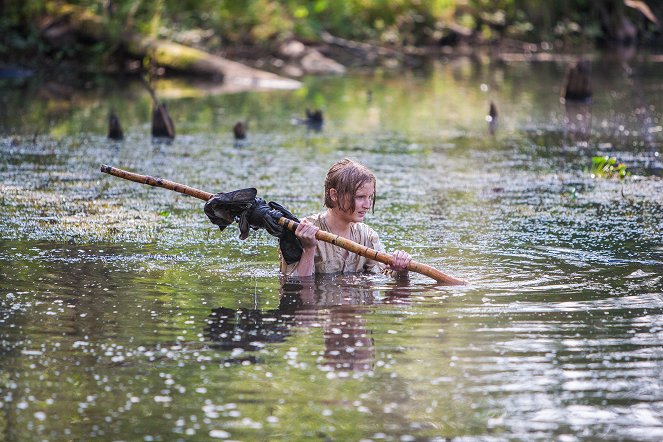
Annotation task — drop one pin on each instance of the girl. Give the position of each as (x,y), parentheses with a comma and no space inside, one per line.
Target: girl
(350,190)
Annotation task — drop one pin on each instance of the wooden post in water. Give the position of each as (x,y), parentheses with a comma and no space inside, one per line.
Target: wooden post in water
(578,84)
(114,128)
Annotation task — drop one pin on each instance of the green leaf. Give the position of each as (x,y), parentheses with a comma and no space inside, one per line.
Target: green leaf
(608,167)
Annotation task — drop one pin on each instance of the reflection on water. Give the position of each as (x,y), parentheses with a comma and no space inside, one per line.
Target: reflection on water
(126,315)
(333,304)
(578,122)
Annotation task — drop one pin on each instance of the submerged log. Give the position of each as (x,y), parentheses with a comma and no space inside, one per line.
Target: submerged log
(314,120)
(194,61)
(166,53)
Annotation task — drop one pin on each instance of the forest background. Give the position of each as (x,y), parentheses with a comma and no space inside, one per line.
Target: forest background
(41,34)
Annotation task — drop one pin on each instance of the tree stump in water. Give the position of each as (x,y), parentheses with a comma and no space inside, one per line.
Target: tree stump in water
(578,85)
(239,130)
(162,124)
(114,128)
(492,118)
(314,118)
(577,96)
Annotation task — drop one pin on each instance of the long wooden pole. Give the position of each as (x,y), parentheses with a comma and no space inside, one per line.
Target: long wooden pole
(322,235)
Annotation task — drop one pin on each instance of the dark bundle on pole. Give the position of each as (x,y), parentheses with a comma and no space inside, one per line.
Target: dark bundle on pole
(114,127)
(253,212)
(250,212)
(578,85)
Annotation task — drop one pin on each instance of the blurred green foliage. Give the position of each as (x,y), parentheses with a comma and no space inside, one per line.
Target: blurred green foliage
(217,23)
(608,167)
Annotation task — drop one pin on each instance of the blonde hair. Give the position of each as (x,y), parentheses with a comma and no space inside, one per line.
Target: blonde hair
(346,176)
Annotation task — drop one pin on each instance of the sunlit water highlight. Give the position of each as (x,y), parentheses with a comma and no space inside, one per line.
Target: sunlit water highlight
(126,315)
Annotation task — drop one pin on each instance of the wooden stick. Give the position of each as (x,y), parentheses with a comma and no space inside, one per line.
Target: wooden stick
(367,252)
(156,182)
(322,235)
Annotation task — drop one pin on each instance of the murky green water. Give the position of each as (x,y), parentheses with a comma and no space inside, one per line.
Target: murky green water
(126,315)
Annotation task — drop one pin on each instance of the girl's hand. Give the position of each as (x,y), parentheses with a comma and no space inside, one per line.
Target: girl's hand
(306,233)
(400,261)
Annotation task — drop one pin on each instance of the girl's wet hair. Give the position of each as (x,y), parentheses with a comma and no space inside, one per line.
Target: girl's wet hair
(346,176)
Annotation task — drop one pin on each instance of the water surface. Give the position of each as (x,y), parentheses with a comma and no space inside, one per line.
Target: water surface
(126,315)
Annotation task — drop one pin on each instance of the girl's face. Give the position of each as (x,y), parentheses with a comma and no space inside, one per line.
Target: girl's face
(363,203)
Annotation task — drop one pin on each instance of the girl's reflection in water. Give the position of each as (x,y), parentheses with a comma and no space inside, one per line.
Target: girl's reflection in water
(336,304)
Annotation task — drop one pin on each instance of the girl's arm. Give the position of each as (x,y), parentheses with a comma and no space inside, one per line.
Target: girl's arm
(306,234)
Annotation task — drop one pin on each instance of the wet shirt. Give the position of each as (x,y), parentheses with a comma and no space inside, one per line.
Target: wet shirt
(332,259)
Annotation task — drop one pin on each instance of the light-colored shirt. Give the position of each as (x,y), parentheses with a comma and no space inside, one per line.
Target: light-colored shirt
(331,259)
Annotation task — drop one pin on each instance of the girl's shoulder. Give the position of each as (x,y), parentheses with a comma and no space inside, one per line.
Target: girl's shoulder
(315,219)
(365,231)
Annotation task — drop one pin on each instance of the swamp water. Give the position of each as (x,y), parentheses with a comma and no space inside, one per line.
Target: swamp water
(126,315)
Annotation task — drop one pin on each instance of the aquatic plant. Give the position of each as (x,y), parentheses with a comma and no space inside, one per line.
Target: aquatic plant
(608,167)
